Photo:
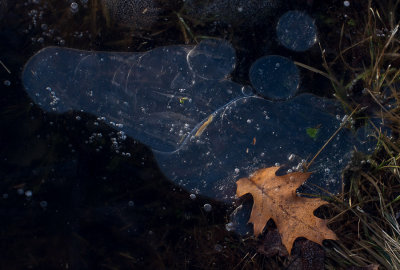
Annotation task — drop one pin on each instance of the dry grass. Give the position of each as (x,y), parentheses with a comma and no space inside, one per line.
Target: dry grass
(365,213)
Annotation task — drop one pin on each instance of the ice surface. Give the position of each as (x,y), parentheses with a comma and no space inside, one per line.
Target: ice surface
(156,96)
(275,77)
(296,31)
(205,130)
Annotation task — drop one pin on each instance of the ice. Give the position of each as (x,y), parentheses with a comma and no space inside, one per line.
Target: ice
(275,77)
(156,96)
(296,31)
(205,131)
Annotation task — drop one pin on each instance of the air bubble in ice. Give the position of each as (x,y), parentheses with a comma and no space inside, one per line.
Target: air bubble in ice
(229,226)
(74,7)
(43,204)
(207,207)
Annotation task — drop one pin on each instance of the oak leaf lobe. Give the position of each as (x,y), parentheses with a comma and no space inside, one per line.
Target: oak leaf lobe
(275,197)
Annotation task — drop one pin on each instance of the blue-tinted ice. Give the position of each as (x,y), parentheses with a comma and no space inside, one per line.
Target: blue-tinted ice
(204,131)
(296,31)
(275,77)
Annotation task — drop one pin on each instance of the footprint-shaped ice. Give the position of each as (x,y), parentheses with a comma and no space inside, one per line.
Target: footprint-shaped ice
(205,130)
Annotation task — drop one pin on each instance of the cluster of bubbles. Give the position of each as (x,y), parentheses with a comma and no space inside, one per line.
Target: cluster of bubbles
(37,25)
(28,195)
(133,13)
(46,31)
(116,138)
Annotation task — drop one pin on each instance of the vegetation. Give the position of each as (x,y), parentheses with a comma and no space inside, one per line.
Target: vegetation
(366,214)
(364,72)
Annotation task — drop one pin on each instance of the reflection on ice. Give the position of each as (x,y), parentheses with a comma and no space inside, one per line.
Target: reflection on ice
(205,130)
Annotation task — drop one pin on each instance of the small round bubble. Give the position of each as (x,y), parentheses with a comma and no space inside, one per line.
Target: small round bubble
(192,196)
(7,83)
(74,7)
(131,203)
(218,248)
(28,193)
(207,207)
(229,226)
(43,204)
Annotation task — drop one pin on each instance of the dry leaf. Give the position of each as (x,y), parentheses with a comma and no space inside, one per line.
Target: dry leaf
(275,197)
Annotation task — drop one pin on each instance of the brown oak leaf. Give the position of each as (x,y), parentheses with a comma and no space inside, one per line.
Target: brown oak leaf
(275,197)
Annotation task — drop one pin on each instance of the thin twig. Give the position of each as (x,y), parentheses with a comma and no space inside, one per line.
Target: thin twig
(331,138)
(4,66)
(326,75)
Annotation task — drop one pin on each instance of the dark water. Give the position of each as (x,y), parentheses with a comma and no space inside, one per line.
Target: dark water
(76,194)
